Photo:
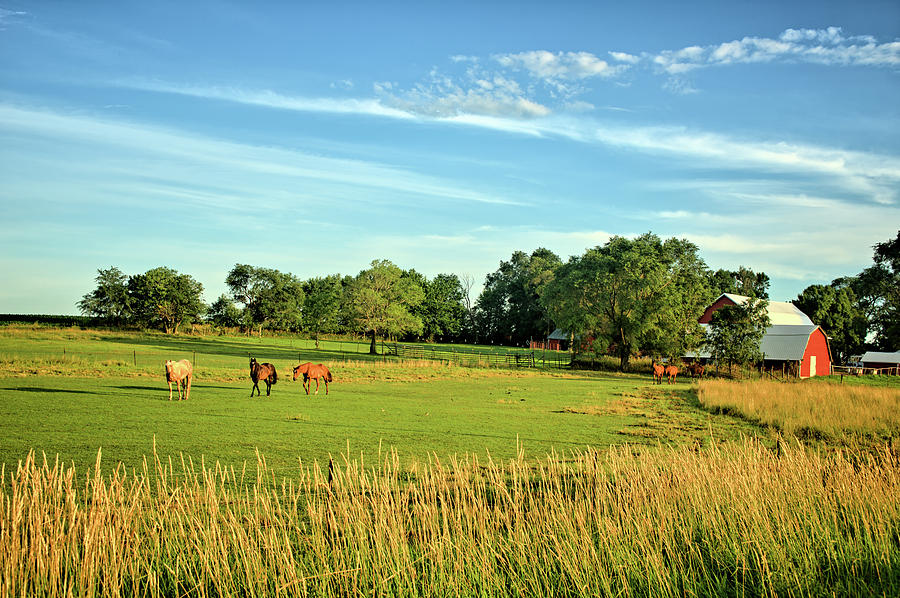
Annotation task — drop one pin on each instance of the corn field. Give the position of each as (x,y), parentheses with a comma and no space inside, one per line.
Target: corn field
(735,519)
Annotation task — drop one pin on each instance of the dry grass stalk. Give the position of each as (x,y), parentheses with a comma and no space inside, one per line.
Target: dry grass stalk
(738,518)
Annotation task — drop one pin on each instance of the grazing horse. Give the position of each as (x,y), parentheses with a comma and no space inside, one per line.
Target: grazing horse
(262,371)
(180,373)
(310,371)
(671,373)
(695,369)
(658,372)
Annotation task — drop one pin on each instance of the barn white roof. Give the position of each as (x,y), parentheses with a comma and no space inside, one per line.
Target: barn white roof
(781,313)
(783,342)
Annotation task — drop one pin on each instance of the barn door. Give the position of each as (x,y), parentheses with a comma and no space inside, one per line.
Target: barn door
(812,366)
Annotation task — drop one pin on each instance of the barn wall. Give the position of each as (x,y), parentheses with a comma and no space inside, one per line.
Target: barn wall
(720,302)
(818,346)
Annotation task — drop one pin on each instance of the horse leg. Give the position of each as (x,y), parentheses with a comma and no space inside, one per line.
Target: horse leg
(317,385)
(326,386)
(170,390)
(268,387)
(255,387)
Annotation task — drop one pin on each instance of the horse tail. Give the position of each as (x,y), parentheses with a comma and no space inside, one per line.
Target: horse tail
(273,378)
(328,375)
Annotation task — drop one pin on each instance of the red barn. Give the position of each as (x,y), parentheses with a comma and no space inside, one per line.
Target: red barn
(792,340)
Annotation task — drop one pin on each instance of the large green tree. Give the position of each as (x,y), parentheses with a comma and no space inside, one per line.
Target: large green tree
(835,308)
(380,300)
(742,281)
(442,310)
(632,294)
(163,297)
(110,299)
(223,312)
(322,305)
(509,309)
(270,298)
(736,331)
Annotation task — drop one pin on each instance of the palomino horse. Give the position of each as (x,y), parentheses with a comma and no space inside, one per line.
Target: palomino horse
(671,373)
(179,373)
(310,371)
(658,372)
(695,369)
(262,371)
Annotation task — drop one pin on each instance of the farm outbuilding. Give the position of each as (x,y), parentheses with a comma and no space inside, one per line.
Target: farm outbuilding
(556,341)
(792,343)
(882,361)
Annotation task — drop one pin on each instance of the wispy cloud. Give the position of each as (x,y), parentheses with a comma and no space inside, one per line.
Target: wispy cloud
(564,65)
(819,46)
(283,163)
(863,174)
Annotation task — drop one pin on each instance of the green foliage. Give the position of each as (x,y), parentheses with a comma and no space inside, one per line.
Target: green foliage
(735,332)
(442,311)
(270,298)
(380,300)
(322,304)
(634,294)
(742,281)
(223,312)
(836,310)
(163,298)
(509,310)
(109,300)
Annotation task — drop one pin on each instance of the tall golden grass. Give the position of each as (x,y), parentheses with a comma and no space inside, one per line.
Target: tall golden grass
(738,519)
(806,408)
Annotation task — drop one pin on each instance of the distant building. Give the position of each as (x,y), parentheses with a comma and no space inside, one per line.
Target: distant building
(875,359)
(792,341)
(556,341)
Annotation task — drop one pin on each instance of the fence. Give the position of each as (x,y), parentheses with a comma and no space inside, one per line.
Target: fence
(472,357)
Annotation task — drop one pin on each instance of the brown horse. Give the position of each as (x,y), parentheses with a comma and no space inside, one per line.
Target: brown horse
(310,371)
(179,373)
(658,372)
(695,369)
(262,371)
(671,373)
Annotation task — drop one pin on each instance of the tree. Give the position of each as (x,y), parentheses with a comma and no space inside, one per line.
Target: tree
(509,307)
(470,328)
(631,294)
(742,281)
(322,304)
(736,331)
(110,299)
(270,298)
(163,297)
(380,299)
(836,309)
(442,311)
(223,312)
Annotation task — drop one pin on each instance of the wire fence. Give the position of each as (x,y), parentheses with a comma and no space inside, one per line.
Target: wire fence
(475,358)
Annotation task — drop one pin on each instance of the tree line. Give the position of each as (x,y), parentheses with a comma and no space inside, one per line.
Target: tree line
(628,297)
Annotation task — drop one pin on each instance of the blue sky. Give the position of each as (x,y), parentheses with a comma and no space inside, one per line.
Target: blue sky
(316,137)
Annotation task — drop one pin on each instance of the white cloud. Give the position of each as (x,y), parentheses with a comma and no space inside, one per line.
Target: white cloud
(561,65)
(821,46)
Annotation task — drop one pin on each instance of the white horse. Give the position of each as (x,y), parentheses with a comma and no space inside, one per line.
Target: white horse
(179,372)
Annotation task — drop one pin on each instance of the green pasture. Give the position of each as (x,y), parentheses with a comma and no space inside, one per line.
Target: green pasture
(72,404)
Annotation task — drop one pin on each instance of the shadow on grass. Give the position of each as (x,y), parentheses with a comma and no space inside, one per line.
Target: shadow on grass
(48,390)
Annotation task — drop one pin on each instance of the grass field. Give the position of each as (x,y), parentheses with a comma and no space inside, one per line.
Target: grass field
(71,404)
(445,480)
